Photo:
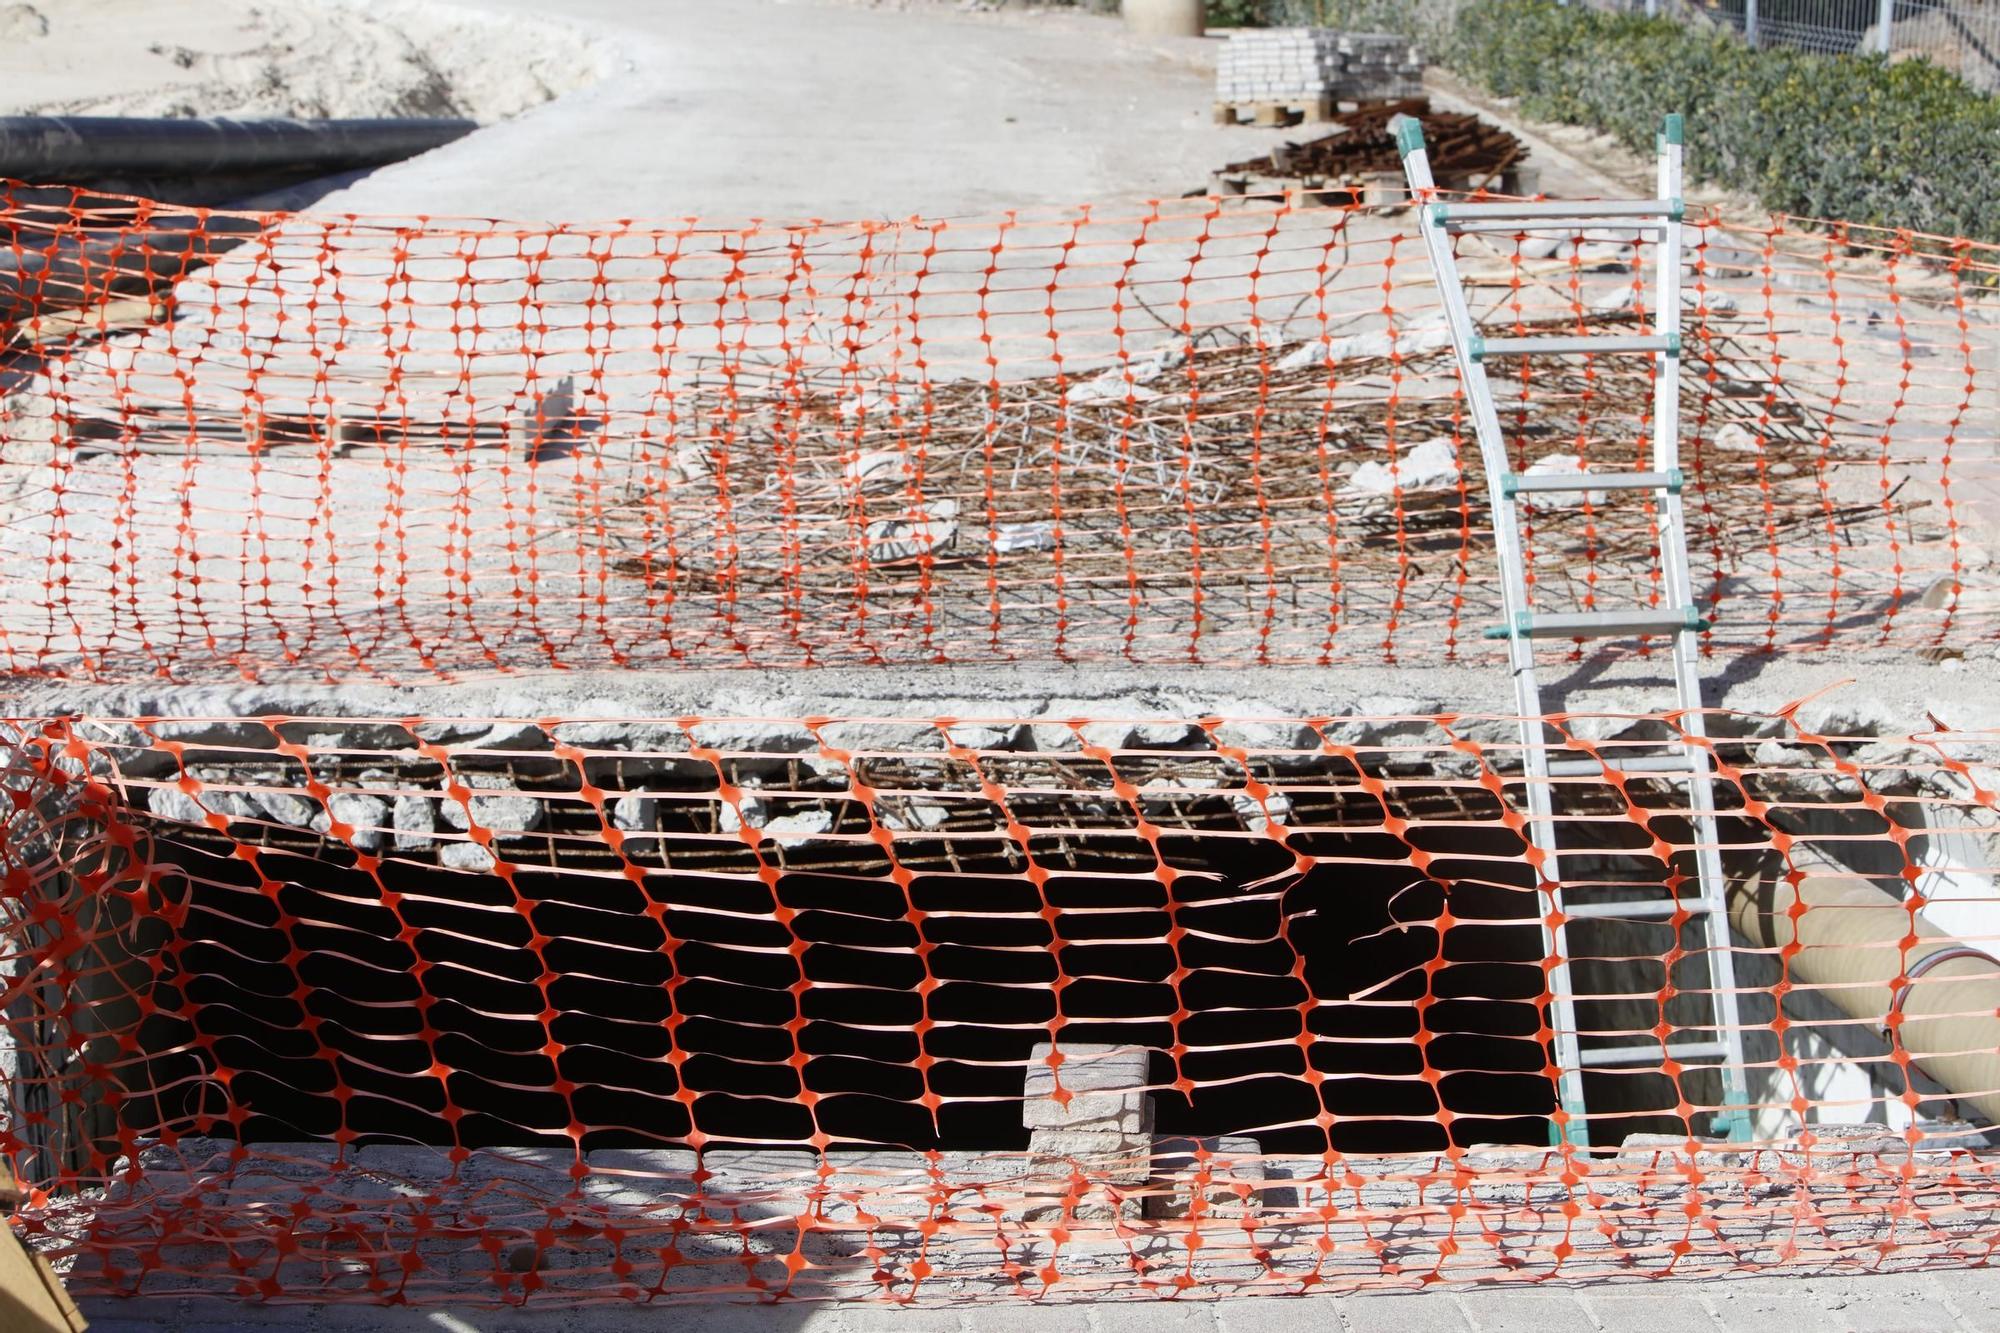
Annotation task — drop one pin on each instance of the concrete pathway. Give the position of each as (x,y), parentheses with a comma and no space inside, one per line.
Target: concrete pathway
(741,108)
(788,109)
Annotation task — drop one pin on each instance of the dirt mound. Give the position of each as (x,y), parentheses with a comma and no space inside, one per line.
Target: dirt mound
(325,58)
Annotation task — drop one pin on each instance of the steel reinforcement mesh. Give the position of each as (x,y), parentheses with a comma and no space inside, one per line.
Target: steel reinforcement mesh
(266,447)
(456,1009)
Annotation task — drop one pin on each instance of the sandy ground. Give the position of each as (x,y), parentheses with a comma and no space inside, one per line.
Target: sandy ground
(308,58)
(719,108)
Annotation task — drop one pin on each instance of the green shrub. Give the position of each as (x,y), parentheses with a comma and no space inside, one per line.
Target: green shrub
(1238,13)
(1850,137)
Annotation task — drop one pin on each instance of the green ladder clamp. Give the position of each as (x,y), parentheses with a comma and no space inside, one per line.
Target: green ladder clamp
(1659,218)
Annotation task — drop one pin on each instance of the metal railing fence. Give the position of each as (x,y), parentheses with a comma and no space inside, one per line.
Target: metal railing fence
(1960,35)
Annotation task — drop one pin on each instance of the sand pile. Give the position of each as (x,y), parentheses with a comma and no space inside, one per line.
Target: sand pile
(310,58)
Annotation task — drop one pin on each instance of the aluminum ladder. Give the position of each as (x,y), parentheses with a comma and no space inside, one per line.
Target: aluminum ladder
(1657,220)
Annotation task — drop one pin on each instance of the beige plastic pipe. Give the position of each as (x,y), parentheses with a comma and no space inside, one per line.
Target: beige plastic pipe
(1850,936)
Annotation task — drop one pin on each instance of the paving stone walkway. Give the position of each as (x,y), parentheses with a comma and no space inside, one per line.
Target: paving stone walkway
(1890,1303)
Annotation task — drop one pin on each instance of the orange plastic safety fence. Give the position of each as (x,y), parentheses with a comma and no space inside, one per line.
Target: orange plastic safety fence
(671,1008)
(326,447)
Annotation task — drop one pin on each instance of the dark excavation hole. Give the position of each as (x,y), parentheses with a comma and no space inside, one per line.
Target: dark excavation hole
(308,994)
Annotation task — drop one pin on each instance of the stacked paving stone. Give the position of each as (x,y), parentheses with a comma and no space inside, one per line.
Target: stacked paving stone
(1102,1124)
(1278,64)
(1379,67)
(1307,64)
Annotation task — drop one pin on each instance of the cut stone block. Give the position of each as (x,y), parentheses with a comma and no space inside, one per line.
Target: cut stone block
(1103,1125)
(1233,1162)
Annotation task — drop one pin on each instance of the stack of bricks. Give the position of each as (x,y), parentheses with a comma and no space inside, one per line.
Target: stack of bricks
(1379,67)
(1089,1116)
(1311,67)
(1295,65)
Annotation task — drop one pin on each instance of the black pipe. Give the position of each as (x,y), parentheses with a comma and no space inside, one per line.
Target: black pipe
(48,263)
(81,149)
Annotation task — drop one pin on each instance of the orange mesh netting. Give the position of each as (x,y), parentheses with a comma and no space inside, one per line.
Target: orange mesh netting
(329,447)
(437,1009)
(474,1009)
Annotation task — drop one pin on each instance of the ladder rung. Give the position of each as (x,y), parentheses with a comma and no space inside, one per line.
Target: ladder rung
(1571,222)
(1529,483)
(1598,624)
(1525,210)
(1645,1054)
(1480,347)
(1635,763)
(1642,910)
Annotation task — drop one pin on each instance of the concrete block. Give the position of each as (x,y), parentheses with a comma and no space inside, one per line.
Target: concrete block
(1758,1314)
(366,815)
(666,1163)
(1103,1112)
(987,735)
(1140,735)
(1972,1293)
(878,1319)
(1085,1068)
(465,856)
(172,803)
(1105,1125)
(1233,1162)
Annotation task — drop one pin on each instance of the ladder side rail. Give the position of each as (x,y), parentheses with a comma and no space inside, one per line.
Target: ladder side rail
(1667,312)
(1713,888)
(1520,649)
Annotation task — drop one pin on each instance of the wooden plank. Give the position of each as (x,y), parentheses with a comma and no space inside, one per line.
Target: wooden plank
(32,1297)
(1276,114)
(119,314)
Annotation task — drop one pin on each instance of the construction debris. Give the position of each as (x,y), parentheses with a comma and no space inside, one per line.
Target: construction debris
(1263,456)
(1360,156)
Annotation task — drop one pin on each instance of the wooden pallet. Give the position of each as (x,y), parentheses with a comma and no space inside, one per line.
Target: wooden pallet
(1276,114)
(1373,188)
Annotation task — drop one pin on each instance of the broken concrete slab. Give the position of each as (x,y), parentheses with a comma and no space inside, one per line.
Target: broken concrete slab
(509,812)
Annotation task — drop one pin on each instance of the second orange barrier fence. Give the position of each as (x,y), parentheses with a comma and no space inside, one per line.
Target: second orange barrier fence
(321,448)
(449,1009)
